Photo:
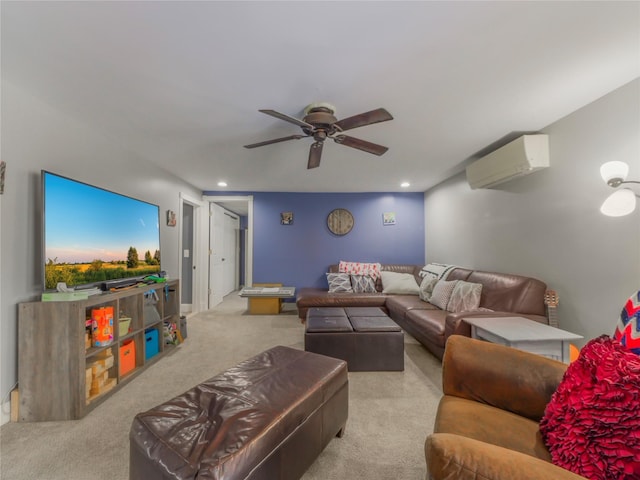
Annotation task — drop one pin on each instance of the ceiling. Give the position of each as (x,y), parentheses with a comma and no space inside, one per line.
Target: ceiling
(180,83)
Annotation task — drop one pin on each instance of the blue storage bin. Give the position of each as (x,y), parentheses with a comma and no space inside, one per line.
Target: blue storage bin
(151,343)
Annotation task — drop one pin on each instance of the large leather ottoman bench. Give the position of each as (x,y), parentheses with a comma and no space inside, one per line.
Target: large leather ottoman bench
(365,337)
(269,417)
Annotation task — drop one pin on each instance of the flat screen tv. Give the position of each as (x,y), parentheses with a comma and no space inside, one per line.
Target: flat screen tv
(92,235)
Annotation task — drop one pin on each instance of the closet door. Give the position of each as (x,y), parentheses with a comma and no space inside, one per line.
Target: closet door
(216,254)
(231,248)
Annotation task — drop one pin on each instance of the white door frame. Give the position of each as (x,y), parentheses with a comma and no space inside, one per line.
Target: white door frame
(199,256)
(248,266)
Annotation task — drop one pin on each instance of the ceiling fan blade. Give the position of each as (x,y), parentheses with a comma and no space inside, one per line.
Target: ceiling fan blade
(287,118)
(360,144)
(367,118)
(315,152)
(276,140)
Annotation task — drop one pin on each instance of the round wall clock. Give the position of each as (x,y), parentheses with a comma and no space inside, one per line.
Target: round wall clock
(340,221)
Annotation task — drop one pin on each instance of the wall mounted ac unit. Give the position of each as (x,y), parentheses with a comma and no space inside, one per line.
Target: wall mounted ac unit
(520,157)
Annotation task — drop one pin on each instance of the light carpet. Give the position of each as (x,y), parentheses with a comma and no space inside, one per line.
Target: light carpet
(390,413)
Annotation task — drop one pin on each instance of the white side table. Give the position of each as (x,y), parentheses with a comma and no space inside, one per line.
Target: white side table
(523,334)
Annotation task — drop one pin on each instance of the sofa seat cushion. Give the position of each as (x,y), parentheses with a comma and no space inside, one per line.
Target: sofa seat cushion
(399,305)
(454,457)
(429,323)
(499,427)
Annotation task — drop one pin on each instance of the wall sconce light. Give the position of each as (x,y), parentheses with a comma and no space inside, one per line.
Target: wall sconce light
(621,202)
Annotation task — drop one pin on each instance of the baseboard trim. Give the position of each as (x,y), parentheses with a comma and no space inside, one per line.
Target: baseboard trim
(5,413)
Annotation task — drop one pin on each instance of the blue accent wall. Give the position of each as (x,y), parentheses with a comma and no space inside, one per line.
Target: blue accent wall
(299,254)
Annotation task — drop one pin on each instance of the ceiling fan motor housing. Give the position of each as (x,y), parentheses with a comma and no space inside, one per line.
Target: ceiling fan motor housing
(320,117)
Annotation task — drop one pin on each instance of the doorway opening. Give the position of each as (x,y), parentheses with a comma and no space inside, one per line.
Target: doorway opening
(230,245)
(191,253)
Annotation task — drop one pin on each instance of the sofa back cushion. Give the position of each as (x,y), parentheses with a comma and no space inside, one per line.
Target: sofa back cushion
(503,292)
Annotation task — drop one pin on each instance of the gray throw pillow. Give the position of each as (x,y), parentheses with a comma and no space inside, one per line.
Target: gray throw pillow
(339,283)
(363,284)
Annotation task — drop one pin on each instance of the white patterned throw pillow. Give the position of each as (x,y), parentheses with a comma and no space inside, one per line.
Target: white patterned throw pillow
(363,284)
(339,283)
(360,268)
(399,283)
(426,287)
(465,297)
(442,293)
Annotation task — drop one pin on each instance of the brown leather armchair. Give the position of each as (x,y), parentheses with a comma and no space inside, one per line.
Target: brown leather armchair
(487,421)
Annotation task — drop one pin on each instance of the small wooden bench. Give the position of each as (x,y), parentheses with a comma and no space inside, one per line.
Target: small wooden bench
(269,417)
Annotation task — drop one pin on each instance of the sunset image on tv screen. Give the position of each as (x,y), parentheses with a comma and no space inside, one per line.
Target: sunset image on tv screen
(93,235)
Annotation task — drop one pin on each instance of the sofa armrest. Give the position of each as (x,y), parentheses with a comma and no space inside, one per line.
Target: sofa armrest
(455,325)
(452,456)
(503,377)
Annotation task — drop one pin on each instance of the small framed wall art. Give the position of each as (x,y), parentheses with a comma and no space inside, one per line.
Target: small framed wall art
(171,218)
(389,218)
(286,218)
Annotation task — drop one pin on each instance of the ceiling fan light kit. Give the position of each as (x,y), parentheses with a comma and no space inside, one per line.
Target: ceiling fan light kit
(320,123)
(621,202)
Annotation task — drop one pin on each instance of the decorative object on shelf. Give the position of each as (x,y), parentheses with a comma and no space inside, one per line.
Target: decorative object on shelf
(621,202)
(102,326)
(286,218)
(3,168)
(123,325)
(340,221)
(389,218)
(171,218)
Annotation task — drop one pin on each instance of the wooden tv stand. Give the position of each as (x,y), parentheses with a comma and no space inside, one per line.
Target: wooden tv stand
(54,362)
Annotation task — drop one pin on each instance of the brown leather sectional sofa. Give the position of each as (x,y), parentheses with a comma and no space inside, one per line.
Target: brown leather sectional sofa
(503,294)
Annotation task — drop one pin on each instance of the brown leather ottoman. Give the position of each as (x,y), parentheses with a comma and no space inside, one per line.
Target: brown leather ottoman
(269,417)
(365,337)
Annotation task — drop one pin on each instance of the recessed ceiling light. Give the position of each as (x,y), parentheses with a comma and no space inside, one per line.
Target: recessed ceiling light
(405,184)
(222,184)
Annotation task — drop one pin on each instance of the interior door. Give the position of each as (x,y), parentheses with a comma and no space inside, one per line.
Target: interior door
(230,262)
(216,254)
(188,267)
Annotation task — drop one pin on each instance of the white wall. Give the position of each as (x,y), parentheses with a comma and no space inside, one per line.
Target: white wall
(548,225)
(35,137)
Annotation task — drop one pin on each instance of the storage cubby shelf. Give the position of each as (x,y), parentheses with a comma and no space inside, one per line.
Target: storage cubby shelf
(60,376)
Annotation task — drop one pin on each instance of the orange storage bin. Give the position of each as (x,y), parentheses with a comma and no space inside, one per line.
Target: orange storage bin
(127,357)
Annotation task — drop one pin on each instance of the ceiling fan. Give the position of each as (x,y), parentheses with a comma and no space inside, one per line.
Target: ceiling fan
(320,123)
